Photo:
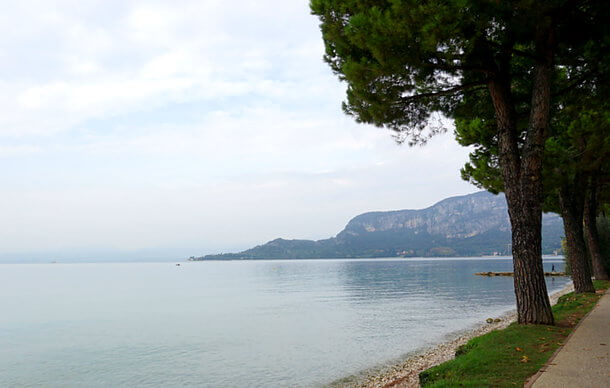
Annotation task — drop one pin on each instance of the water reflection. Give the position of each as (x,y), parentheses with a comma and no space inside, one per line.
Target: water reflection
(380,279)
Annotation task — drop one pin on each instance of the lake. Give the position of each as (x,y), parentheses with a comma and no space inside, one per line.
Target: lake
(236,323)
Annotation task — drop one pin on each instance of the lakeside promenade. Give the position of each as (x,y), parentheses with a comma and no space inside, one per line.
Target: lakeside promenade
(584,360)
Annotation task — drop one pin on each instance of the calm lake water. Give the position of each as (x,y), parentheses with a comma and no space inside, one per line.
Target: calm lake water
(221,324)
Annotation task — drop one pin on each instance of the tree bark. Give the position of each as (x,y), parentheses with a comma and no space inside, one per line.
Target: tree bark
(572,204)
(533,306)
(522,175)
(590,229)
(524,200)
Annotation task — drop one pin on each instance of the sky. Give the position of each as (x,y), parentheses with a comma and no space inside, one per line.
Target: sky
(165,129)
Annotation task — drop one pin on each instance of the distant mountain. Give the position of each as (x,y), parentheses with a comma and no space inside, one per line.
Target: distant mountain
(469,225)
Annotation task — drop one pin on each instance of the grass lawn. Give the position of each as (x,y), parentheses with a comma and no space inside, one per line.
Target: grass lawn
(507,358)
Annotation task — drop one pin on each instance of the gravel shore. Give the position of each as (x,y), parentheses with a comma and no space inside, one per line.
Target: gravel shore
(406,373)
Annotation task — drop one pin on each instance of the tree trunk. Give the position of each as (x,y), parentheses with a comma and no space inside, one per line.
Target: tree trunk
(590,229)
(533,304)
(522,175)
(572,214)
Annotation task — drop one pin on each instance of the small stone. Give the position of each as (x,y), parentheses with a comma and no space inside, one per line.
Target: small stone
(489,320)
(497,320)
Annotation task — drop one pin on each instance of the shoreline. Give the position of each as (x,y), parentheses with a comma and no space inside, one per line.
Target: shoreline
(405,374)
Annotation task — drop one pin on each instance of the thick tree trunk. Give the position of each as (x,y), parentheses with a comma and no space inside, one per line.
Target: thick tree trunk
(533,306)
(590,229)
(572,214)
(522,175)
(524,200)
(524,209)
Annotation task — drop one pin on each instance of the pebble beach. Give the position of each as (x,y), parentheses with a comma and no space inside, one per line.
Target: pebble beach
(406,373)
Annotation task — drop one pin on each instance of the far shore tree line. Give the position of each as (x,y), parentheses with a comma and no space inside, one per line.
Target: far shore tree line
(526,83)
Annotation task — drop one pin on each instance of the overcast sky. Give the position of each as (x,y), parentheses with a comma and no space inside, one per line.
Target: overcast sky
(143,129)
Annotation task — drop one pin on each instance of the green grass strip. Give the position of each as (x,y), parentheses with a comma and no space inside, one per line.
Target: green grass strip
(508,357)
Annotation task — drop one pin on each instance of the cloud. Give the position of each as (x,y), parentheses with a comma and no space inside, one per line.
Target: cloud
(146,55)
(194,126)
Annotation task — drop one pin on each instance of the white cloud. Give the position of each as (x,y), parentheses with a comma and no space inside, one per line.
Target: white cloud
(138,124)
(147,55)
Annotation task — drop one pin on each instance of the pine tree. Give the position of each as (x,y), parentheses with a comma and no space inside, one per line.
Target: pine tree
(406,60)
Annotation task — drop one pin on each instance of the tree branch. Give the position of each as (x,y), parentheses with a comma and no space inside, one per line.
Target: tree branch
(447,67)
(440,62)
(446,92)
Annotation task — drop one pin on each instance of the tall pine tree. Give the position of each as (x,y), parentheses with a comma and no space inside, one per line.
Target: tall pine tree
(404,60)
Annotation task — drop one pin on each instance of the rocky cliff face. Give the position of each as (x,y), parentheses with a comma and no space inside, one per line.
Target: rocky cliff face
(457,217)
(470,225)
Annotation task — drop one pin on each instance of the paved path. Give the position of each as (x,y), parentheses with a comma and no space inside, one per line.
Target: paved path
(584,361)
